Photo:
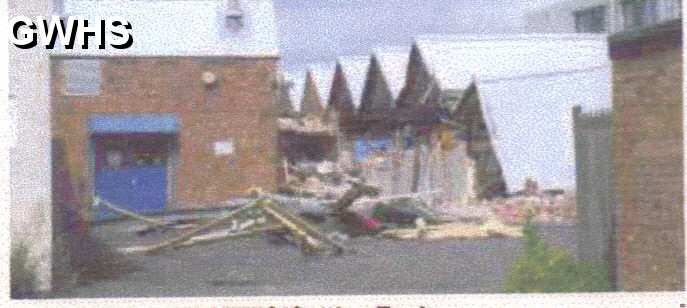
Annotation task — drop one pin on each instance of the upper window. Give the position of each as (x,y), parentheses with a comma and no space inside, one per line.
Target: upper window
(673,9)
(82,76)
(233,17)
(639,13)
(591,20)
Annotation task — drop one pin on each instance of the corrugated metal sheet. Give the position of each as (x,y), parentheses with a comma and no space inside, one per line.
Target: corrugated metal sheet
(454,61)
(530,122)
(183,27)
(528,85)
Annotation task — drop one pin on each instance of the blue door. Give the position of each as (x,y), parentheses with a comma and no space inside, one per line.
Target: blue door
(139,189)
(131,172)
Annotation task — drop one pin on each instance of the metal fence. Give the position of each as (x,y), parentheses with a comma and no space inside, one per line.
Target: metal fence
(595,187)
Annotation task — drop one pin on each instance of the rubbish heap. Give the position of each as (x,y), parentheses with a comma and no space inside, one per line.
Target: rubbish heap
(320,207)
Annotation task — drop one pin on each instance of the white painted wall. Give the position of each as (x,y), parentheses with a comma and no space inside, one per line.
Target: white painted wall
(30,179)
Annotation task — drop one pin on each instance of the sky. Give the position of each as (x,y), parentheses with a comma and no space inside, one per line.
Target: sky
(312,31)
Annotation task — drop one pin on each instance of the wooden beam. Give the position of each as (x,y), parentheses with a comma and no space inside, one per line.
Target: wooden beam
(153,222)
(301,229)
(213,238)
(188,235)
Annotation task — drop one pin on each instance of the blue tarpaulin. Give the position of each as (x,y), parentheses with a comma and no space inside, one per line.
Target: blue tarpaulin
(364,148)
(138,123)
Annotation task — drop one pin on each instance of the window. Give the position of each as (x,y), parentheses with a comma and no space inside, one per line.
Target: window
(673,9)
(591,20)
(82,77)
(639,13)
(234,15)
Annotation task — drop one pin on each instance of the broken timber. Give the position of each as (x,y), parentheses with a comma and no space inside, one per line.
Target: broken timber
(311,239)
(306,234)
(153,222)
(221,236)
(190,234)
(356,192)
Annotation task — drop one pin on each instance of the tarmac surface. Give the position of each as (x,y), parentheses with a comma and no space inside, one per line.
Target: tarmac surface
(254,267)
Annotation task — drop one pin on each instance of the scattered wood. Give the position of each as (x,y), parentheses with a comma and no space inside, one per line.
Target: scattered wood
(308,237)
(215,223)
(455,231)
(225,235)
(150,221)
(356,192)
(311,239)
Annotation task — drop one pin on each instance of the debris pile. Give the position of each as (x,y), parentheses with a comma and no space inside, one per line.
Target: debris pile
(265,214)
(403,211)
(341,206)
(320,180)
(492,228)
(544,208)
(306,125)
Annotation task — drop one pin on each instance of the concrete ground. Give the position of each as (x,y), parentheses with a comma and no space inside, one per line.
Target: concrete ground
(252,267)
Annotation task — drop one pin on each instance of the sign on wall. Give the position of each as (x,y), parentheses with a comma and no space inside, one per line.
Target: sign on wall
(224,147)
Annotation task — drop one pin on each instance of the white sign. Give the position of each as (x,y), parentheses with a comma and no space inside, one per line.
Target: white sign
(224,147)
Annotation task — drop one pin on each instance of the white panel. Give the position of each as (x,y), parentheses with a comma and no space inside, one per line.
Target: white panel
(224,147)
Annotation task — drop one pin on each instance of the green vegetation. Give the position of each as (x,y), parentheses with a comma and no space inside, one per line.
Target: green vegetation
(22,273)
(545,269)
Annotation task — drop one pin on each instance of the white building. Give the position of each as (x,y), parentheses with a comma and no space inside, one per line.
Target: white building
(29,147)
(600,16)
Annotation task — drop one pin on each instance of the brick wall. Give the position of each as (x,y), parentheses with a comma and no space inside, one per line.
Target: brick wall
(240,106)
(647,102)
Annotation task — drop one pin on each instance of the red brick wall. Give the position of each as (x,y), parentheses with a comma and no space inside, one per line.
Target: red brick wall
(240,106)
(647,102)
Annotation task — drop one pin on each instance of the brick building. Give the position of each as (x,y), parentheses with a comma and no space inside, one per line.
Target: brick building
(648,153)
(174,122)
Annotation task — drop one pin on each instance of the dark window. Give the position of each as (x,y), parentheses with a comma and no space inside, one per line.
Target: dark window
(234,18)
(639,13)
(591,20)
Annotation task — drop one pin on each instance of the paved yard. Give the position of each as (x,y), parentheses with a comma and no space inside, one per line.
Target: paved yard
(252,266)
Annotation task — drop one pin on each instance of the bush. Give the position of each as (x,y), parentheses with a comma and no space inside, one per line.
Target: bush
(22,273)
(544,269)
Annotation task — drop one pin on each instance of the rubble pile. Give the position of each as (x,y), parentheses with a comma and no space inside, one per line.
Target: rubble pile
(321,180)
(543,207)
(324,207)
(456,230)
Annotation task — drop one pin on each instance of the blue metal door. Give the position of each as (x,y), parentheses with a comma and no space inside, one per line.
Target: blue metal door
(131,172)
(139,189)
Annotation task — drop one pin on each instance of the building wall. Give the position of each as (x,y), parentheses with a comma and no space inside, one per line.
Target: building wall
(647,102)
(559,17)
(240,106)
(665,10)
(29,163)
